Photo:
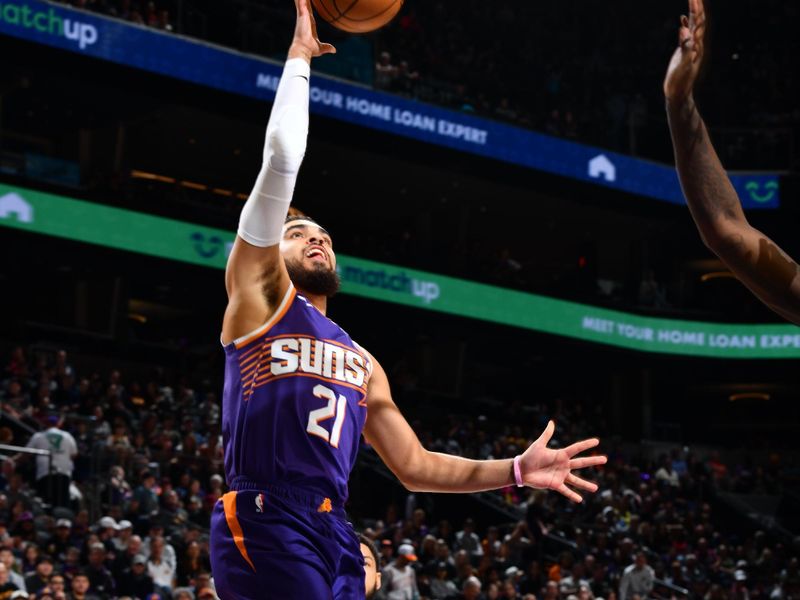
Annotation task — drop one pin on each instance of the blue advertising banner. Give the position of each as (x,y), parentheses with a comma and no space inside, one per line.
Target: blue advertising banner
(223,69)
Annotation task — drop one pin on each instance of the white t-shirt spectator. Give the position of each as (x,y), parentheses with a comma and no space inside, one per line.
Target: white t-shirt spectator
(399,583)
(61,444)
(163,572)
(468,541)
(636,581)
(668,475)
(443,588)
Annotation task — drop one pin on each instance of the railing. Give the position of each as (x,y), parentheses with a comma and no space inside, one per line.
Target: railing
(33,452)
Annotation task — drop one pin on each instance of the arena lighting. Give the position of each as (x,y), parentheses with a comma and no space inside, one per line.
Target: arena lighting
(716,275)
(749,396)
(137,174)
(137,317)
(151,176)
(194,185)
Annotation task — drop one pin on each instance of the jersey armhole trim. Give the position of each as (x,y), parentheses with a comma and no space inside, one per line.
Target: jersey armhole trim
(279,313)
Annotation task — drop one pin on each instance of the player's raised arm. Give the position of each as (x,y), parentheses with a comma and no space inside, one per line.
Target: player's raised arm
(421,470)
(755,259)
(256,277)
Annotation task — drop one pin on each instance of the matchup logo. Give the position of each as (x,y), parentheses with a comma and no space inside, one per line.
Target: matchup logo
(48,21)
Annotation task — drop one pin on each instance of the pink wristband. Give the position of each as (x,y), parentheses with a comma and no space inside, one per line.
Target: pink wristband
(517,472)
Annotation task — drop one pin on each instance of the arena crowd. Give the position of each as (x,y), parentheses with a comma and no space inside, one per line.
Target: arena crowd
(141,466)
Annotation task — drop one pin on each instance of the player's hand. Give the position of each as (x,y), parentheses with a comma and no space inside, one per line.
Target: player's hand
(688,57)
(545,468)
(306,43)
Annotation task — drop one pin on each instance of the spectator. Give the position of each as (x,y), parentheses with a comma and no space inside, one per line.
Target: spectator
(54,487)
(101,583)
(40,578)
(6,587)
(161,569)
(135,581)
(194,561)
(61,540)
(637,579)
(145,496)
(80,588)
(123,560)
(107,529)
(441,586)
(7,558)
(58,585)
(471,590)
(468,540)
(667,473)
(398,579)
(385,72)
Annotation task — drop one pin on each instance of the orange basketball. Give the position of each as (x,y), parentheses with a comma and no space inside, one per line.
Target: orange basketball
(357,16)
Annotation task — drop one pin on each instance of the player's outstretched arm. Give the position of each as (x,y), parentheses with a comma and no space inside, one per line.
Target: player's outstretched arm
(256,277)
(421,470)
(755,259)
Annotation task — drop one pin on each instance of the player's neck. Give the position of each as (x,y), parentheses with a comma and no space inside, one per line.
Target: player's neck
(320,302)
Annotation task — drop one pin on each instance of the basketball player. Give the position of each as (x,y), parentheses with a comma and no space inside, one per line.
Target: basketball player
(298,391)
(372,574)
(755,259)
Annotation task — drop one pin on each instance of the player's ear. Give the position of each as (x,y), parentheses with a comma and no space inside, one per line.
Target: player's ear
(378,580)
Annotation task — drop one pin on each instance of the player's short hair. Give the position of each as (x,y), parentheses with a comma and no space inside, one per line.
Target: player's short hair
(371,545)
(295,214)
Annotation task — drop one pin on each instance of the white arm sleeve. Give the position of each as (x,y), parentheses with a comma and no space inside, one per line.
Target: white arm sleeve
(264,213)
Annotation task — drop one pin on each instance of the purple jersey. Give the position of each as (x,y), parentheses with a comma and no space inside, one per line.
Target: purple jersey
(294,401)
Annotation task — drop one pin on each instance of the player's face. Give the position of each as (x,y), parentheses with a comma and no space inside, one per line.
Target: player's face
(308,244)
(308,253)
(372,578)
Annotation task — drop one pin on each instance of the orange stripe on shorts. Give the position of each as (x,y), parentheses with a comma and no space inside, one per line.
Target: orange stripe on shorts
(229,504)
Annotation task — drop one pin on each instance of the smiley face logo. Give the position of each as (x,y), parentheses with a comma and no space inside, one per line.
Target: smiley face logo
(762,193)
(206,247)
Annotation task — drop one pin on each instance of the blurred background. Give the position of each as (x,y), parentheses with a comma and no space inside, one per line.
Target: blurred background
(519,146)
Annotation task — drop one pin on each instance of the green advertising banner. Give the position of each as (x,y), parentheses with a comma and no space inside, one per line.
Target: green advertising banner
(58,216)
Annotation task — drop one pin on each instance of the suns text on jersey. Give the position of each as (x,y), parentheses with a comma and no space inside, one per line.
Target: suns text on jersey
(323,358)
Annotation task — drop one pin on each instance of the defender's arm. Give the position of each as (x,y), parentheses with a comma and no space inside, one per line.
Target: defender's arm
(755,259)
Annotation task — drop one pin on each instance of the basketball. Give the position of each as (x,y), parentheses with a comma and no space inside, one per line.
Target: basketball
(357,16)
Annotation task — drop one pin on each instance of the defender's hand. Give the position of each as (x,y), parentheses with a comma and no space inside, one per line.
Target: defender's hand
(306,44)
(688,57)
(544,468)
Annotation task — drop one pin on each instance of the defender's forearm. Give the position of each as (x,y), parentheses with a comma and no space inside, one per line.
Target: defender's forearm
(709,193)
(437,472)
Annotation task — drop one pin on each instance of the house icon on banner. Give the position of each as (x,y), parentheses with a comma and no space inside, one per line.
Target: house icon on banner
(601,167)
(14,206)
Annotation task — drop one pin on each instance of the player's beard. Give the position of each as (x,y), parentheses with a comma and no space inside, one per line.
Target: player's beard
(319,281)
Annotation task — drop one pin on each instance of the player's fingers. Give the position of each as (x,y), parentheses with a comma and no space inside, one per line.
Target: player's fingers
(565,491)
(684,33)
(581,446)
(544,439)
(588,461)
(326,49)
(583,484)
